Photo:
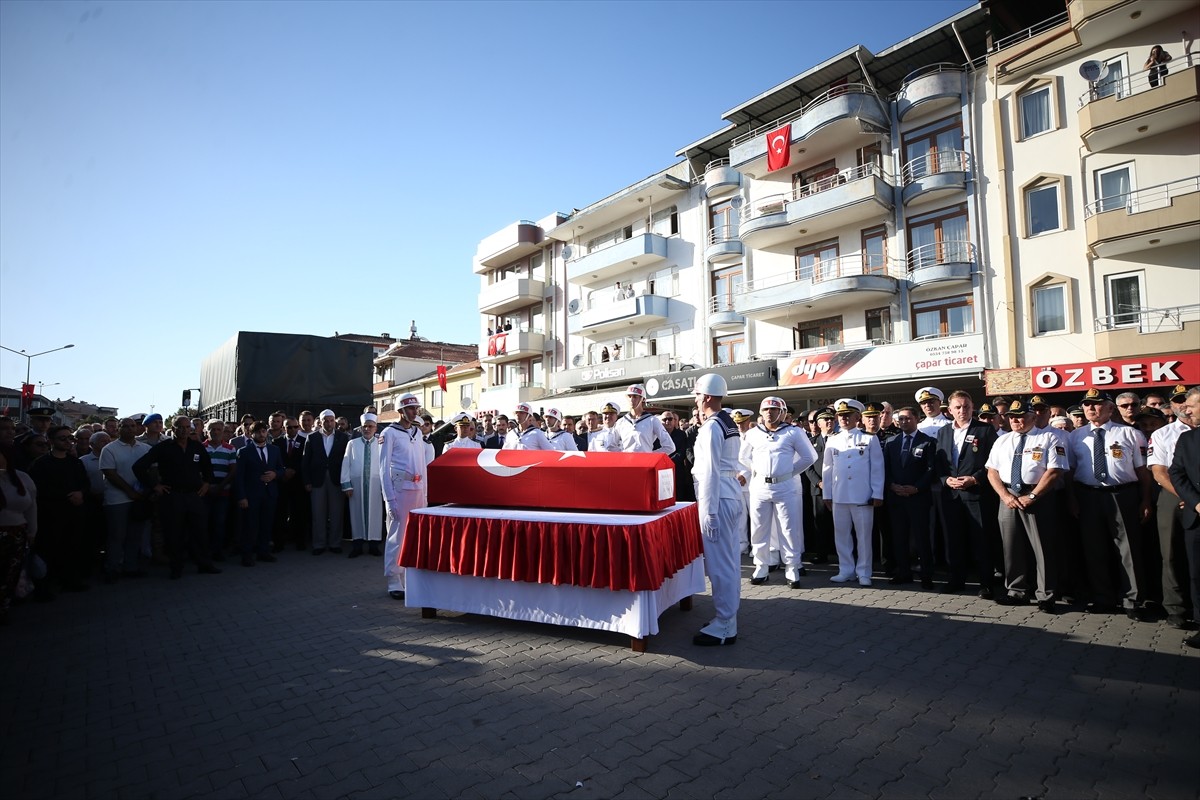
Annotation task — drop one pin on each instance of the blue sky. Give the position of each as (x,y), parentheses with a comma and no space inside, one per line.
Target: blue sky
(171,173)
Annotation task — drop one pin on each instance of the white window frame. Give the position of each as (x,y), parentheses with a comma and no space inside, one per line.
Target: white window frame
(1050,280)
(1098,174)
(1106,88)
(1021,111)
(1040,184)
(1038,291)
(1113,313)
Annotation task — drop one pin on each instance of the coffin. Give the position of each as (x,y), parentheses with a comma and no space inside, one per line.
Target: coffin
(552,479)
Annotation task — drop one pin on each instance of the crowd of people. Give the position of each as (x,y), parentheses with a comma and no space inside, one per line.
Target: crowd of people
(1033,502)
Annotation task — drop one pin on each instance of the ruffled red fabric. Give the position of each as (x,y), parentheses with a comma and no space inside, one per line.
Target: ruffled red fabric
(618,556)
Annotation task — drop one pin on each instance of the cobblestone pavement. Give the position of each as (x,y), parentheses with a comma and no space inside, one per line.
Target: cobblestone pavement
(303,679)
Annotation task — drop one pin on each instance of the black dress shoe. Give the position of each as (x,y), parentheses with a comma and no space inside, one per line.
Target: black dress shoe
(1047,607)
(706,640)
(1139,615)
(373,549)
(926,583)
(1099,608)
(900,580)
(1193,640)
(247,561)
(318,551)
(986,593)
(267,557)
(396,595)
(1180,622)
(208,569)
(356,550)
(758,581)
(1010,600)
(952,587)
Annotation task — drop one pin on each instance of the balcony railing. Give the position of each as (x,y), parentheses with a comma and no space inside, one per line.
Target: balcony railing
(716,163)
(829,269)
(936,162)
(925,71)
(1148,199)
(722,234)
(828,94)
(721,304)
(777,203)
(1135,84)
(1150,320)
(938,253)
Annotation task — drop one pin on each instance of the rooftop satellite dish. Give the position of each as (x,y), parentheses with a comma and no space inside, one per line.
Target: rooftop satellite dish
(1092,71)
(736,202)
(566,252)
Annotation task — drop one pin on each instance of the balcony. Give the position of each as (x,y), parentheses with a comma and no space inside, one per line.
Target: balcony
(1096,22)
(723,245)
(720,179)
(503,398)
(1114,113)
(930,88)
(836,116)
(828,285)
(601,266)
(511,244)
(621,371)
(1145,219)
(1146,331)
(607,316)
(512,346)
(941,262)
(935,175)
(722,316)
(509,295)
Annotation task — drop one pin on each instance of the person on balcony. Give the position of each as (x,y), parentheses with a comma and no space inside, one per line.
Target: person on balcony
(1157,65)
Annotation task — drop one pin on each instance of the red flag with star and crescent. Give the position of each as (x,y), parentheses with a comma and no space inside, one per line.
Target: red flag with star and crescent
(441,375)
(779,151)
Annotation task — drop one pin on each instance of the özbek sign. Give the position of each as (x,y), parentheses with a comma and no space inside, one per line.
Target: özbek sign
(1120,374)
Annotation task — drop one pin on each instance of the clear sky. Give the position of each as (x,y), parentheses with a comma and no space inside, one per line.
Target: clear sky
(172,173)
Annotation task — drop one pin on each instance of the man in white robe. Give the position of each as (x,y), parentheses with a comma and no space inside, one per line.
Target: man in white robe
(361,485)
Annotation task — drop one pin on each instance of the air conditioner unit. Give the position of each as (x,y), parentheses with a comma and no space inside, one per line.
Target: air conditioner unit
(577,360)
(574,307)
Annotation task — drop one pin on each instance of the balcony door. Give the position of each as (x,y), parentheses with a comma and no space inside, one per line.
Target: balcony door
(939,238)
(933,149)
(817,262)
(725,284)
(1114,188)
(723,221)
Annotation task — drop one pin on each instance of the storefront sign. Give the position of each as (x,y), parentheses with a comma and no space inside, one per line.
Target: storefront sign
(959,354)
(755,375)
(1124,373)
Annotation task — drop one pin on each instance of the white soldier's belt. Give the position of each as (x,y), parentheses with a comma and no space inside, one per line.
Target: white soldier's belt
(784,478)
(401,475)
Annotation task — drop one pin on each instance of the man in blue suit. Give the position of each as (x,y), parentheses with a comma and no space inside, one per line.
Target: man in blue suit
(908,474)
(256,487)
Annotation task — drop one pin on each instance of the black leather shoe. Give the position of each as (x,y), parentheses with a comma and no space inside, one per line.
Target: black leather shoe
(926,583)
(1193,640)
(952,587)
(267,557)
(356,550)
(396,595)
(901,580)
(373,549)
(1138,615)
(1047,607)
(986,593)
(705,640)
(759,581)
(1099,608)
(1010,600)
(208,569)
(1180,622)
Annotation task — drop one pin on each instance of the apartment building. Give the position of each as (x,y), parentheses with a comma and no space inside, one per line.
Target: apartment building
(410,365)
(1094,211)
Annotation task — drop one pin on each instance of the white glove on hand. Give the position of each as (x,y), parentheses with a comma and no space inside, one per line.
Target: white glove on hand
(708,527)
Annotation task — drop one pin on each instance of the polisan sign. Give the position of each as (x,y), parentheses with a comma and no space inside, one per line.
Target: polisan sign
(1125,373)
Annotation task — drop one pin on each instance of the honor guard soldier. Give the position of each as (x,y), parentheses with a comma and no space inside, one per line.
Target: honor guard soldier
(777,453)
(1113,497)
(719,503)
(525,435)
(402,464)
(852,474)
(559,438)
(1023,468)
(638,431)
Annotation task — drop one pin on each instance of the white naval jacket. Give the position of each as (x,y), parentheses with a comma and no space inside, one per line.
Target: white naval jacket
(779,455)
(853,468)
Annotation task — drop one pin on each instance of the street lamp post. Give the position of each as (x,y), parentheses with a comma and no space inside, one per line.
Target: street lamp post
(29,357)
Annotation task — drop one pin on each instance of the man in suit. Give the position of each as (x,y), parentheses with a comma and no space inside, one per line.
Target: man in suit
(321,466)
(496,440)
(968,504)
(908,469)
(292,515)
(256,487)
(1185,477)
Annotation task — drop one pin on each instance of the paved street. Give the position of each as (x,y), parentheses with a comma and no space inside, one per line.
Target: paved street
(303,679)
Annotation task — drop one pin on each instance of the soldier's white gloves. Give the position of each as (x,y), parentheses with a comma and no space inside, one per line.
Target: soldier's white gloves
(708,527)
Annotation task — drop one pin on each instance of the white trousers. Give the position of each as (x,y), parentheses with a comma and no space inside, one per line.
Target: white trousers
(723,562)
(776,524)
(860,518)
(397,519)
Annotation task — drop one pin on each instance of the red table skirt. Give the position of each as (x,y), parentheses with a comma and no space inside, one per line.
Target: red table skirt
(601,551)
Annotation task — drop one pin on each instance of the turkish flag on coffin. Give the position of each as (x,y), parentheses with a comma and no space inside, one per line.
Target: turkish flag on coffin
(553,479)
(779,148)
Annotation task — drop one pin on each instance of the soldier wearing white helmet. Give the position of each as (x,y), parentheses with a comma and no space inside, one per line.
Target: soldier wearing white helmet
(559,438)
(403,459)
(852,479)
(777,452)
(525,435)
(719,502)
(930,399)
(638,430)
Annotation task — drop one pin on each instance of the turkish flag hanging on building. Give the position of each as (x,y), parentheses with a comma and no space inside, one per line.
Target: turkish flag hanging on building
(441,370)
(779,148)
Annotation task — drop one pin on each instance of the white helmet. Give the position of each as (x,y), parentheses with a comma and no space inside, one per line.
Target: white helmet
(772,402)
(407,399)
(711,384)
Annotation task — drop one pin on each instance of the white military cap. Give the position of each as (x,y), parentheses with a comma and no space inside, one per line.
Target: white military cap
(929,393)
(846,405)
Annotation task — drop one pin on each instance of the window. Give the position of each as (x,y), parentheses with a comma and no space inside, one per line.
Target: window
(817,262)
(939,238)
(1050,309)
(1035,111)
(662,341)
(437,398)
(725,284)
(874,251)
(729,349)
(1114,82)
(879,324)
(1123,294)
(818,333)
(946,316)
(466,394)
(723,221)
(934,148)
(1114,188)
(610,238)
(871,154)
(1042,209)
(815,179)
(665,222)
(664,283)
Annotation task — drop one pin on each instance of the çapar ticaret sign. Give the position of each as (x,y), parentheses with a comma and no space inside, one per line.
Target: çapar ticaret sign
(1122,373)
(958,354)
